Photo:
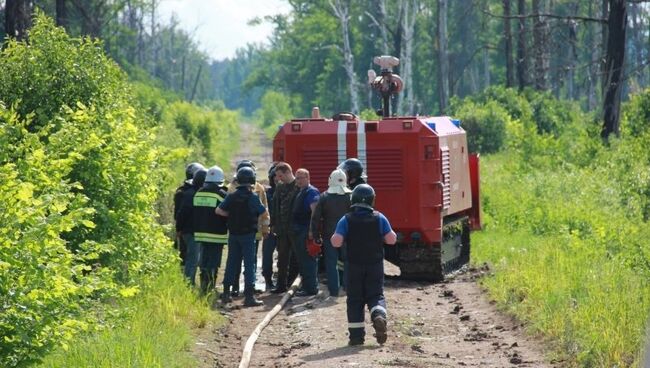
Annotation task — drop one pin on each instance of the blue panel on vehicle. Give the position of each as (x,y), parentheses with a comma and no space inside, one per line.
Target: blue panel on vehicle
(432,126)
(456,122)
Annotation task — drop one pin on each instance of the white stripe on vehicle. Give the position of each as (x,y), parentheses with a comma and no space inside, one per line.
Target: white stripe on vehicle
(341,145)
(361,144)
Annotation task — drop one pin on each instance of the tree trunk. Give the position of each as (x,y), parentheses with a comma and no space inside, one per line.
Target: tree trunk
(614,61)
(603,37)
(406,58)
(572,56)
(594,64)
(341,10)
(539,47)
(507,35)
(17,18)
(443,58)
(61,14)
(637,33)
(522,58)
(382,27)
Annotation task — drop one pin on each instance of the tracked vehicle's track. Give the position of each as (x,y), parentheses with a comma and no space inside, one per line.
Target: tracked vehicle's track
(425,262)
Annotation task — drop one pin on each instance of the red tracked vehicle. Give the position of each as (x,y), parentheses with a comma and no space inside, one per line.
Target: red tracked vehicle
(426,182)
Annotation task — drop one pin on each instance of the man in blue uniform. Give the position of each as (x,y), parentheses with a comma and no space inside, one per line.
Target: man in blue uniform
(185,222)
(303,205)
(243,209)
(364,231)
(210,229)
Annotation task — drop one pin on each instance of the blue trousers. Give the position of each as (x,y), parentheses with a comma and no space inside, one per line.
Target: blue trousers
(268,247)
(191,258)
(365,287)
(334,266)
(307,264)
(240,247)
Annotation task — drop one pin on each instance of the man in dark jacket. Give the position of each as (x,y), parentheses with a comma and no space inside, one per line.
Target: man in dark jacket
(332,205)
(210,229)
(185,224)
(354,170)
(303,206)
(243,209)
(179,243)
(281,208)
(268,245)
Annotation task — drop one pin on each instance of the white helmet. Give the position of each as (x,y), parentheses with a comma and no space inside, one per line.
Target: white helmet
(337,183)
(215,175)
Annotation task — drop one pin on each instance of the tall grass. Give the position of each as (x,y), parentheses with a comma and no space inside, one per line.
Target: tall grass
(565,251)
(156,332)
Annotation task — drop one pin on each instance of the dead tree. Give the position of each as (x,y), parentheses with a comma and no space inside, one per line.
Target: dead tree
(614,61)
(443,61)
(341,9)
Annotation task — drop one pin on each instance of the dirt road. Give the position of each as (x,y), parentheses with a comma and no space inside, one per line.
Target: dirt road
(451,324)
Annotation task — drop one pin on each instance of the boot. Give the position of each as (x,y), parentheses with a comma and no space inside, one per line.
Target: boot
(225,296)
(250,300)
(269,283)
(204,282)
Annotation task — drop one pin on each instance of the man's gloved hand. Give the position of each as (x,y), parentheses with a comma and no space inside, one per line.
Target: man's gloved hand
(313,249)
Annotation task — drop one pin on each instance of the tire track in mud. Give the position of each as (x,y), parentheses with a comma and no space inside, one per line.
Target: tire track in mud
(451,324)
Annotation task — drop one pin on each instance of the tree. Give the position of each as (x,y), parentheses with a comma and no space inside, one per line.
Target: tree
(341,9)
(508,43)
(522,54)
(443,66)
(540,46)
(614,62)
(17,18)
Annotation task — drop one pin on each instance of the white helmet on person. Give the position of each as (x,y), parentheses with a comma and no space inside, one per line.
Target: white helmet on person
(337,183)
(215,175)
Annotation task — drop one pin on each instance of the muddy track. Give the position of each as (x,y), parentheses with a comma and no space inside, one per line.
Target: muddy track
(452,324)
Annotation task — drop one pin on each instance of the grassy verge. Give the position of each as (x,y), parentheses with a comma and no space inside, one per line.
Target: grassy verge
(566,260)
(156,333)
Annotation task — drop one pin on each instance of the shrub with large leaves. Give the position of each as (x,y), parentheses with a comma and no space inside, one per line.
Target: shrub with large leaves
(77,192)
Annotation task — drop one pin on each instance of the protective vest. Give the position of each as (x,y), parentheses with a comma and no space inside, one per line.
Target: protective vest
(241,218)
(184,220)
(208,226)
(364,241)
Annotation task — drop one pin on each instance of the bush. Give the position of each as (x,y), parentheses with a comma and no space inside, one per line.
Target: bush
(77,198)
(485,125)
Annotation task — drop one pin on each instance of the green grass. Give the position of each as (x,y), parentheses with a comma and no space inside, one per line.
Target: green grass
(158,332)
(568,259)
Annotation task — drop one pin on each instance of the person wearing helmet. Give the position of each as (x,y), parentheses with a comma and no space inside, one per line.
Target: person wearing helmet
(264,221)
(268,245)
(244,210)
(210,229)
(364,232)
(186,223)
(333,204)
(179,194)
(354,170)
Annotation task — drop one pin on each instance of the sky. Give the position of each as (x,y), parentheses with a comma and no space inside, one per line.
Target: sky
(220,26)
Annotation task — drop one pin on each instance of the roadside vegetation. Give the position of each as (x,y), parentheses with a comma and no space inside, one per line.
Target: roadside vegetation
(566,221)
(87,267)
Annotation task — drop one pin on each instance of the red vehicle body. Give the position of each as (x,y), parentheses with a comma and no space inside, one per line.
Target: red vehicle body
(425,180)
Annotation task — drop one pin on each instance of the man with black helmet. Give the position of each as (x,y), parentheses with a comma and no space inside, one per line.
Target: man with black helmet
(178,204)
(364,231)
(354,170)
(258,189)
(185,223)
(210,229)
(243,209)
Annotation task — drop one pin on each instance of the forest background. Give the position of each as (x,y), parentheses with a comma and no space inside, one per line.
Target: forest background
(96,131)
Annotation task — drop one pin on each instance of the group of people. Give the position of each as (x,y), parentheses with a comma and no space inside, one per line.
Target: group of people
(292,217)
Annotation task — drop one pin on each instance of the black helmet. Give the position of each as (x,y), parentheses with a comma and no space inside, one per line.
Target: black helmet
(246,163)
(363,196)
(353,169)
(191,169)
(246,175)
(199,177)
